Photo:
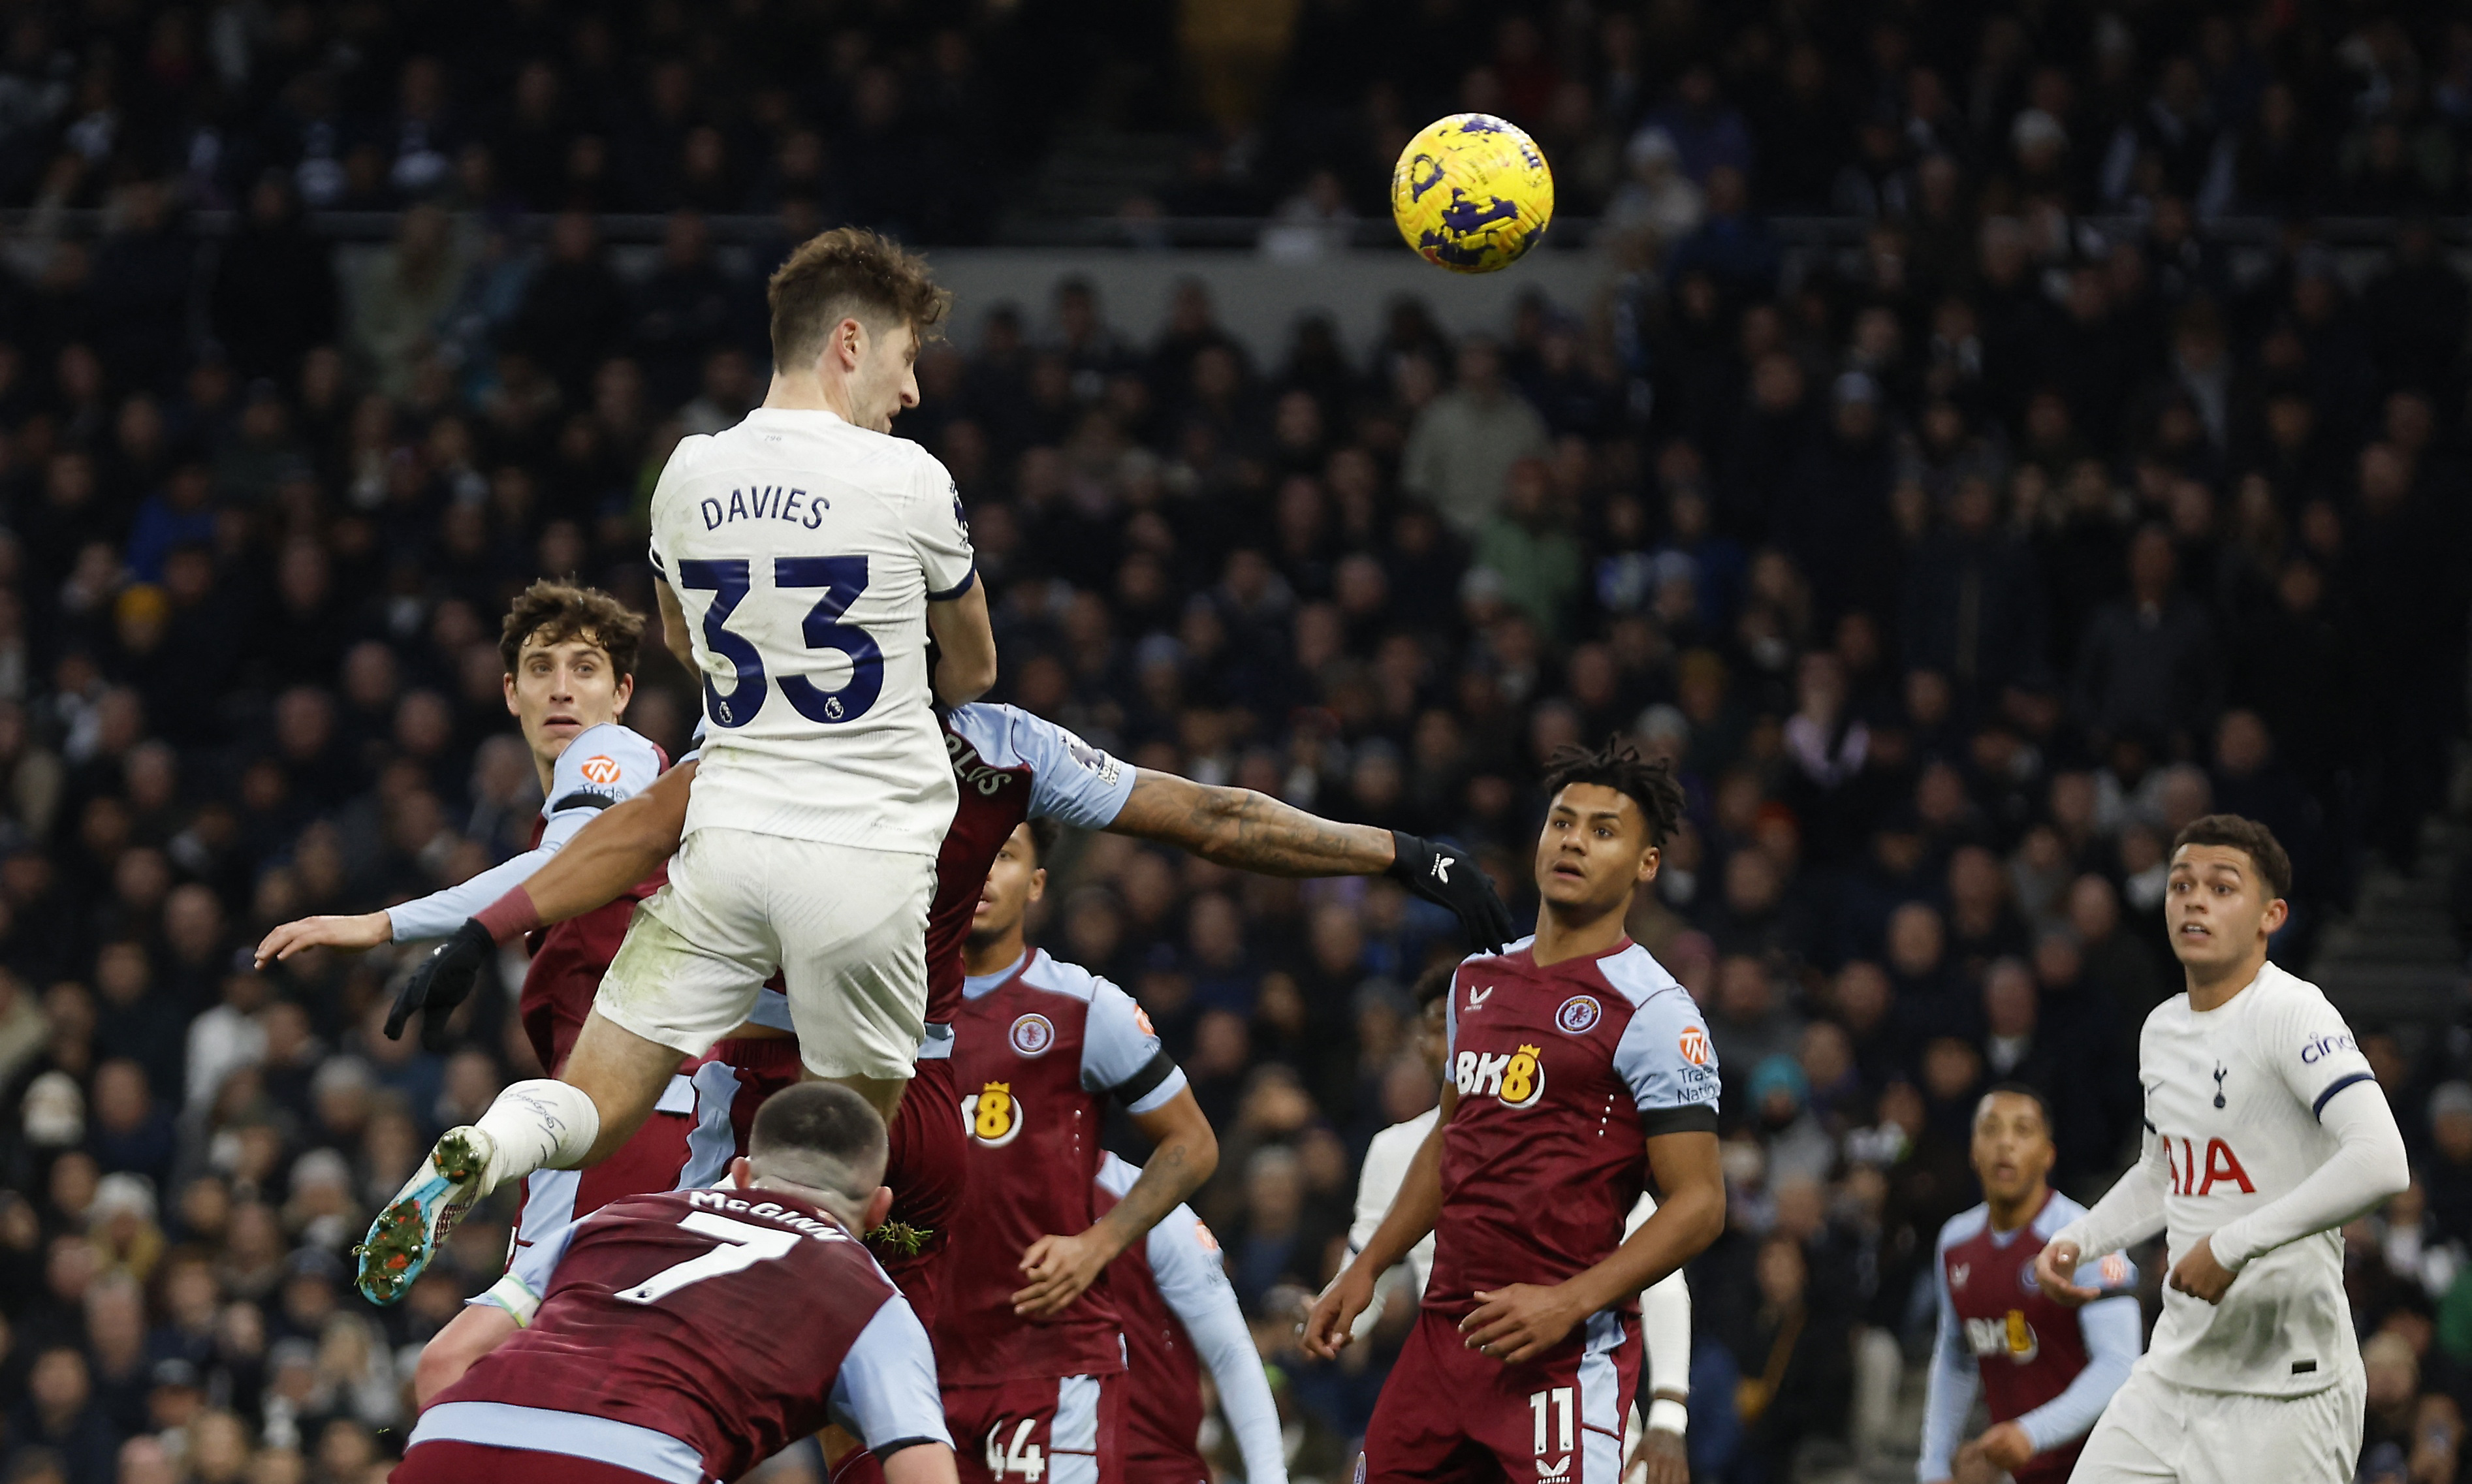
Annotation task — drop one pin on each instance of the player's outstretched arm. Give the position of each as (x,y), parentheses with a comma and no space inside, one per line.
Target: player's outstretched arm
(1061,1268)
(965,642)
(1419,1205)
(627,842)
(1518,1322)
(1254,831)
(353,933)
(619,847)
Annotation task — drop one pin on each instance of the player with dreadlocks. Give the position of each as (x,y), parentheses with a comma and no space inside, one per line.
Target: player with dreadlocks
(1578,1073)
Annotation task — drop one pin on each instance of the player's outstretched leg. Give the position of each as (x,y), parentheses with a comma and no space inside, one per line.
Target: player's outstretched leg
(530,1125)
(408,1231)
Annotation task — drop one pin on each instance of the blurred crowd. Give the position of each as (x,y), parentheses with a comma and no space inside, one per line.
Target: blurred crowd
(1954,573)
(940,117)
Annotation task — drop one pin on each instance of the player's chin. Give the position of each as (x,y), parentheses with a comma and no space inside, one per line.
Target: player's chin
(1563,888)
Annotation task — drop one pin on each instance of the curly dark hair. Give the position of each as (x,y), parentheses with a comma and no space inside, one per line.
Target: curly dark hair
(848,274)
(555,612)
(1619,767)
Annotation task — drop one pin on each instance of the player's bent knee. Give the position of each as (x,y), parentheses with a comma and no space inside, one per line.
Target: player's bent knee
(624,1073)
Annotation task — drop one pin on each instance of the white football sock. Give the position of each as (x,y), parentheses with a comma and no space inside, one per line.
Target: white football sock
(540,1125)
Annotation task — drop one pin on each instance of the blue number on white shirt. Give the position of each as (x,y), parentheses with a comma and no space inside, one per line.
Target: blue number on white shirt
(727,582)
(842,579)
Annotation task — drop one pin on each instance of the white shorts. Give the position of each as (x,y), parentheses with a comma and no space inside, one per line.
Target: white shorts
(846,927)
(2156,1429)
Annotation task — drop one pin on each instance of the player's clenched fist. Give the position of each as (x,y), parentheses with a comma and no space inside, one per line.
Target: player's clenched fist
(1331,1323)
(2198,1275)
(2055,1271)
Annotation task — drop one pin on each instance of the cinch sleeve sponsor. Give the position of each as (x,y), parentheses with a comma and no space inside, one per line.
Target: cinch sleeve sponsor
(1070,781)
(1666,1058)
(2313,1051)
(1121,1054)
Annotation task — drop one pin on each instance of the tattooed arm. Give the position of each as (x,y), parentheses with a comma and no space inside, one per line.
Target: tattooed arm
(1248,831)
(1254,831)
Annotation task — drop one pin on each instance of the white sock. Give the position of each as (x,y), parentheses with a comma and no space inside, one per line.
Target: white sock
(540,1125)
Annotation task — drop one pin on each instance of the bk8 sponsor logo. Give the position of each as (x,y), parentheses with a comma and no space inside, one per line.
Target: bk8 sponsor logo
(1518,1078)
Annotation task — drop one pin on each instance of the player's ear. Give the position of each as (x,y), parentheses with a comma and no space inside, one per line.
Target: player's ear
(1648,860)
(626,693)
(1037,883)
(507,684)
(878,1207)
(741,1174)
(2278,913)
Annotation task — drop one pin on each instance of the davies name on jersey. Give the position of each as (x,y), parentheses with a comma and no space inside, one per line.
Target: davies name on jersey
(766,503)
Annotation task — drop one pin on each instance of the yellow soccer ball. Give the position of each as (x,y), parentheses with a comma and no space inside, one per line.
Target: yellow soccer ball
(1471,192)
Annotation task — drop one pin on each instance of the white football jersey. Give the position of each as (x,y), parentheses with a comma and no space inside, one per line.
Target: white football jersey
(804,552)
(2232,1098)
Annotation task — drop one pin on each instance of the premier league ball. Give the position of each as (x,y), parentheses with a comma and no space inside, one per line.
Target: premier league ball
(1471,192)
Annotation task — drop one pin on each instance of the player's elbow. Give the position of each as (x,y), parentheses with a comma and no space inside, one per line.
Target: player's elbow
(2389,1168)
(1202,1154)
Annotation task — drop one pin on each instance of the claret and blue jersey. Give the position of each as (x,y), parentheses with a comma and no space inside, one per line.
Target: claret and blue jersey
(1563,1074)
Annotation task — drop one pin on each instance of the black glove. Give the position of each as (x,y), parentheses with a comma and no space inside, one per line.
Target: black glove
(1449,876)
(442,982)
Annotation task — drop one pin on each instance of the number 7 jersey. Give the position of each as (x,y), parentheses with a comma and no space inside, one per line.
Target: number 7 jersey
(804,552)
(693,1334)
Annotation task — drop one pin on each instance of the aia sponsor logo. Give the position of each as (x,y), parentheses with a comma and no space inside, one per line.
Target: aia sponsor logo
(602,770)
(1517,1079)
(1032,1034)
(991,1116)
(2220,1166)
(1579,1015)
(1693,1046)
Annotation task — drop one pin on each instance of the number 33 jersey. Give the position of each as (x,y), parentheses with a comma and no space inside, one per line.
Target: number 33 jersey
(733,1322)
(805,553)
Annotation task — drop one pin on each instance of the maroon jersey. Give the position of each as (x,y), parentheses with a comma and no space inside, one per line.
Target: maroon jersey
(2026,1346)
(567,962)
(1562,1073)
(1037,1048)
(712,1326)
(1011,767)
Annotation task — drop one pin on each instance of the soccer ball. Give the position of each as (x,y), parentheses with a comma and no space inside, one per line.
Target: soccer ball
(1471,192)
